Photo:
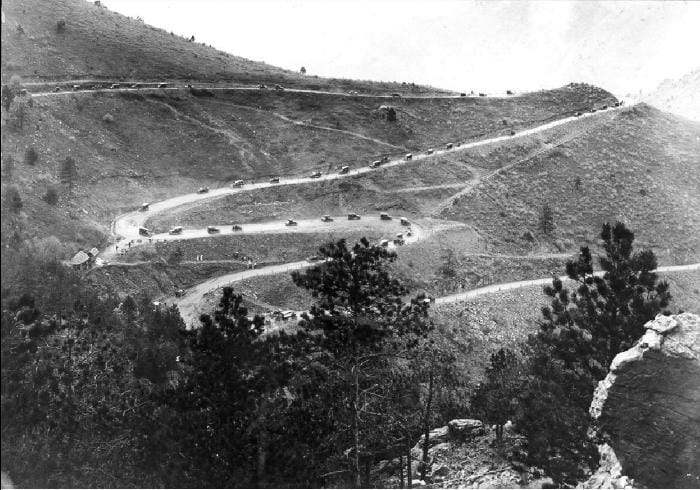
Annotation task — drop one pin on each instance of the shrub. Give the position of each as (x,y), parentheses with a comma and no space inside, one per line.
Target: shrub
(13,201)
(51,196)
(31,156)
(61,26)
(108,118)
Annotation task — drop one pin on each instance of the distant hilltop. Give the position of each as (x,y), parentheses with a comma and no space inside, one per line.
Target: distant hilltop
(679,96)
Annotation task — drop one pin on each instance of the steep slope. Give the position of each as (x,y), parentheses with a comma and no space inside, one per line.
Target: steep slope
(98,43)
(133,147)
(642,168)
(678,96)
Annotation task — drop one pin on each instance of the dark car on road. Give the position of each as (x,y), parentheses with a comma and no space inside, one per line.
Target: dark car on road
(315,175)
(212,229)
(353,216)
(291,222)
(203,190)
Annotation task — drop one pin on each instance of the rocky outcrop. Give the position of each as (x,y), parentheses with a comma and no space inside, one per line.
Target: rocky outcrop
(648,409)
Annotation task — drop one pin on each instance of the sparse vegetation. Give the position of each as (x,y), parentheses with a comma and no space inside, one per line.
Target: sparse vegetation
(31,156)
(51,196)
(61,26)
(13,201)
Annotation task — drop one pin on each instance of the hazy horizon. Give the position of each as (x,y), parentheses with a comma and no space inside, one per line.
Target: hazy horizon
(623,47)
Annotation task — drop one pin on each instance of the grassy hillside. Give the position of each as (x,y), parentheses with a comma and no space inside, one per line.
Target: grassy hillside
(131,148)
(99,44)
(642,168)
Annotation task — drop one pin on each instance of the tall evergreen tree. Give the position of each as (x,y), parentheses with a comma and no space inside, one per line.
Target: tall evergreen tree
(496,400)
(577,340)
(68,172)
(546,219)
(364,326)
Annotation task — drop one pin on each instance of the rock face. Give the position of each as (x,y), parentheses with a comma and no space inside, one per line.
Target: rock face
(649,408)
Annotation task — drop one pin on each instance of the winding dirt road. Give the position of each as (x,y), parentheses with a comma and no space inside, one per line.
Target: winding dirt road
(126,226)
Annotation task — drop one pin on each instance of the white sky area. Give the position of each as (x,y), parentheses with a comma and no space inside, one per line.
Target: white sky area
(623,47)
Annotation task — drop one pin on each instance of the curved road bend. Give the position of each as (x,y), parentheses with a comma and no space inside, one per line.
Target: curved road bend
(495,288)
(190,303)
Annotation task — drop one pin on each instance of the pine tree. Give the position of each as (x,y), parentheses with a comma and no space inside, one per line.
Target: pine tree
(68,173)
(365,324)
(495,402)
(546,219)
(578,338)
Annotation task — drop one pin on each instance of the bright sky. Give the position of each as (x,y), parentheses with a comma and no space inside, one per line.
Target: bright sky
(462,45)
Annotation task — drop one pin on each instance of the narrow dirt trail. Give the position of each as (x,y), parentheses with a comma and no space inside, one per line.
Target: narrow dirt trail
(479,179)
(315,126)
(243,147)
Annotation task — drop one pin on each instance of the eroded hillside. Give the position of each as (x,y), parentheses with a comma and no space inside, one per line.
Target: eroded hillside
(640,168)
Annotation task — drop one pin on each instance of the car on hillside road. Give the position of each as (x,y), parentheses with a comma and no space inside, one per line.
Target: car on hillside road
(396,95)
(114,85)
(512,132)
(409,156)
(179,294)
(144,206)
(577,114)
(385,216)
(177,230)
(315,175)
(463,94)
(405,222)
(212,229)
(313,258)
(76,87)
(275,180)
(385,159)
(326,219)
(203,190)
(353,216)
(238,183)
(279,88)
(429,151)
(448,146)
(345,169)
(375,164)
(57,89)
(162,85)
(384,243)
(291,222)
(144,231)
(481,94)
(236,227)
(509,92)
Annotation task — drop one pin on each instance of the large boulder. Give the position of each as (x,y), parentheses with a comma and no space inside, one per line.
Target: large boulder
(648,409)
(464,429)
